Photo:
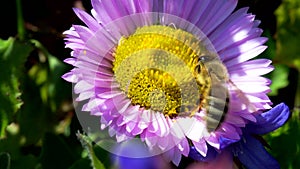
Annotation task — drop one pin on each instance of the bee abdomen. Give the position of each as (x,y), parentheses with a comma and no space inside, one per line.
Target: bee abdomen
(216,111)
(211,123)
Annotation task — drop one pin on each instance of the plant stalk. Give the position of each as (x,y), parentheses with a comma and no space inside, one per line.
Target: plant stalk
(20,20)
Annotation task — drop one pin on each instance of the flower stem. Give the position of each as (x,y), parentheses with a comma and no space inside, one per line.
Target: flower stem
(20,20)
(297,99)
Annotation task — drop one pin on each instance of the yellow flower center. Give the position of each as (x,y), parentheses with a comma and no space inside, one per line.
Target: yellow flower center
(158,68)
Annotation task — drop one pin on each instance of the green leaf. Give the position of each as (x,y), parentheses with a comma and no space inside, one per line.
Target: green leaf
(25,161)
(103,154)
(279,78)
(53,89)
(49,92)
(288,33)
(35,117)
(20,155)
(82,163)
(13,55)
(87,144)
(56,153)
(4,161)
(58,89)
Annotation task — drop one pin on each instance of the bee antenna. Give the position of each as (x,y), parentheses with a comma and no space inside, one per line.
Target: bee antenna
(172,25)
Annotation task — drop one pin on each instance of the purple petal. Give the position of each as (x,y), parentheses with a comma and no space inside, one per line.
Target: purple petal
(224,142)
(238,49)
(253,154)
(102,13)
(201,147)
(143,6)
(234,23)
(270,120)
(198,10)
(87,19)
(176,157)
(245,56)
(210,155)
(230,131)
(84,32)
(216,15)
(184,147)
(222,161)
(252,64)
(70,77)
(115,9)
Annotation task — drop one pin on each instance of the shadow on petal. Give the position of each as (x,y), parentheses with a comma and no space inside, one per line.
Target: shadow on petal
(222,161)
(253,154)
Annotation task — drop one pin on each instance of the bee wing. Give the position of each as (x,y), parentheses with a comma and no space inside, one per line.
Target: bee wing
(241,96)
(217,102)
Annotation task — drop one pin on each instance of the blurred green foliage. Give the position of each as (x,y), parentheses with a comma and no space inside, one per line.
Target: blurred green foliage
(288,33)
(35,134)
(13,55)
(285,142)
(38,124)
(5,161)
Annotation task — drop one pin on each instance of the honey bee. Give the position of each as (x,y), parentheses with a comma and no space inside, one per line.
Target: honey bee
(212,77)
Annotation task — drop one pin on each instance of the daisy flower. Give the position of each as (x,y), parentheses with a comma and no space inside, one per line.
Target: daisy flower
(171,73)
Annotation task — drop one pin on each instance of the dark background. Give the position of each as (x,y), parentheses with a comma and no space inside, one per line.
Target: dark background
(45,20)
